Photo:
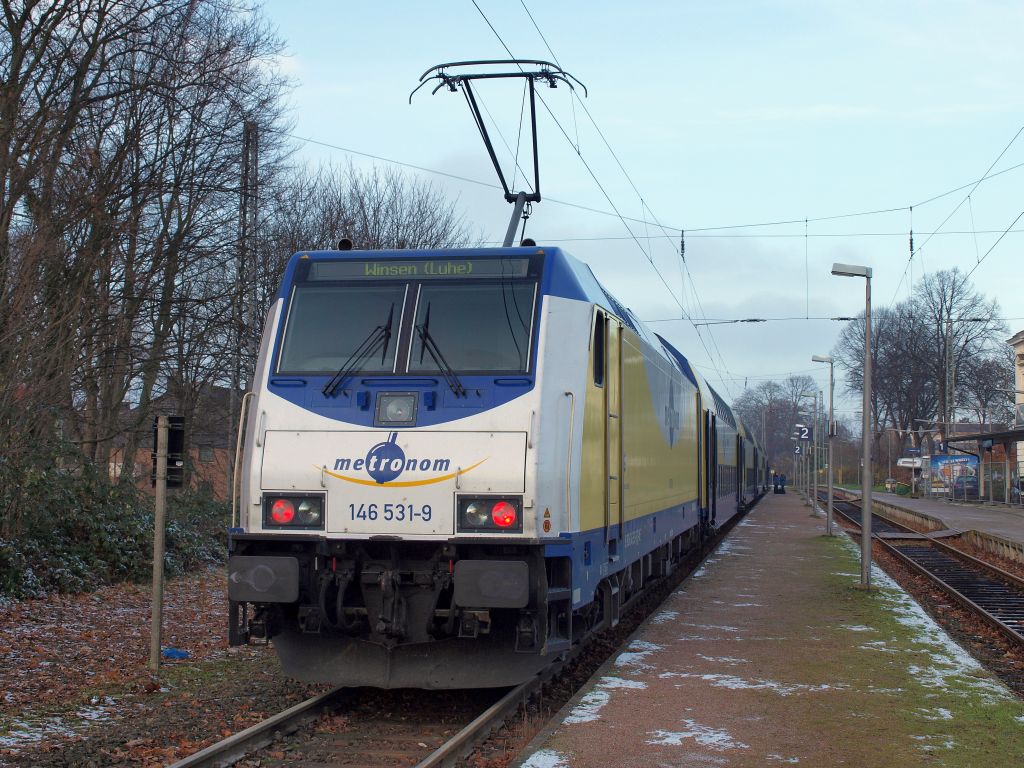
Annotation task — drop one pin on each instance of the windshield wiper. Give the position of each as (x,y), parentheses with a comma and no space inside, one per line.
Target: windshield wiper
(378,337)
(430,346)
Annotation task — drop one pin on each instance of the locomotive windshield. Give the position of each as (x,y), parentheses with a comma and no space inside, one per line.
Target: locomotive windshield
(443,316)
(327,325)
(481,327)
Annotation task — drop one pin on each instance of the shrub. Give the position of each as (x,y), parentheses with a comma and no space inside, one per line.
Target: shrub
(76,531)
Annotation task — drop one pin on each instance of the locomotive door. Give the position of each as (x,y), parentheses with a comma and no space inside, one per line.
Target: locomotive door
(710,466)
(613,437)
(741,469)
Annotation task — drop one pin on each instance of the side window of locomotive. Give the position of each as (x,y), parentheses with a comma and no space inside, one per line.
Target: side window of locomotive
(474,327)
(598,347)
(329,326)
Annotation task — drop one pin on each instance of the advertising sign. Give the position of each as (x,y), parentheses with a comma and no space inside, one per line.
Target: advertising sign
(945,470)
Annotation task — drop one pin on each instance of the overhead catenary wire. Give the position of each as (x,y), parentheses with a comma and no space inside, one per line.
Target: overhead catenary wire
(690,231)
(683,266)
(950,215)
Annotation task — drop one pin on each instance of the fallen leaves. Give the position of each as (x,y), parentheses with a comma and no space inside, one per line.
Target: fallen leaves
(53,650)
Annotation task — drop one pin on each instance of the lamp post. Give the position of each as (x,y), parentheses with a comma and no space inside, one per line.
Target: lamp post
(831,383)
(854,270)
(818,405)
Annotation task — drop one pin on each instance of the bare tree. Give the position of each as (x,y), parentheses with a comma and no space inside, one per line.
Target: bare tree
(984,384)
(916,344)
(779,404)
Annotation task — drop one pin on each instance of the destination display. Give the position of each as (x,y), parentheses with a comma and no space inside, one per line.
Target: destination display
(432,269)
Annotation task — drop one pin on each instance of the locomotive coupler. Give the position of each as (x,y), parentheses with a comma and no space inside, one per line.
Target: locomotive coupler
(391,621)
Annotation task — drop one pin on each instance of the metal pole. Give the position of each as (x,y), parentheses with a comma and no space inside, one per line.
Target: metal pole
(828,514)
(814,451)
(865,542)
(160,504)
(513,224)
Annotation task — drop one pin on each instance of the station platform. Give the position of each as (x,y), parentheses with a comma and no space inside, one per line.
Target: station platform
(771,654)
(1005,522)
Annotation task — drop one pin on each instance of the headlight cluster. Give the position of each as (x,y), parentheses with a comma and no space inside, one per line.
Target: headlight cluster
(293,512)
(492,513)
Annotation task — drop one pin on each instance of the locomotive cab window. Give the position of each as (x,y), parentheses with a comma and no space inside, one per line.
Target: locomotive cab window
(598,347)
(330,326)
(479,327)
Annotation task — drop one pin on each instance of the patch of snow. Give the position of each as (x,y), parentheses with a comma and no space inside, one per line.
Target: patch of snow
(706,736)
(947,743)
(21,733)
(722,627)
(857,628)
(589,708)
(747,605)
(1019,719)
(878,645)
(730,660)
(635,653)
(781,759)
(725,548)
(545,758)
(939,713)
(93,713)
(664,617)
(618,682)
(741,684)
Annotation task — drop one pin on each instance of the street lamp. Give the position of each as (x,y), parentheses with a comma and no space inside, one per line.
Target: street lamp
(854,270)
(831,383)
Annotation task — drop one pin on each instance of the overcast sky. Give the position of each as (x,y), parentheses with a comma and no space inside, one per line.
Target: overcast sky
(722,114)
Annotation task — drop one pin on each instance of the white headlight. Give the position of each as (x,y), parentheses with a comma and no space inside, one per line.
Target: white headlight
(309,511)
(477,514)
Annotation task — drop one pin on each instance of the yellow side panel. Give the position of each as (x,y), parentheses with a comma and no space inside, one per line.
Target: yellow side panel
(657,476)
(593,483)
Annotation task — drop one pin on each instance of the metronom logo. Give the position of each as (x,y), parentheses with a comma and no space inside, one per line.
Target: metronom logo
(386,461)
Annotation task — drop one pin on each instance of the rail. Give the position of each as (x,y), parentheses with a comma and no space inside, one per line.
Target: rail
(235,747)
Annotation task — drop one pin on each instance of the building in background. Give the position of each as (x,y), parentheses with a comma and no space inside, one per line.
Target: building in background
(208,448)
(1017,342)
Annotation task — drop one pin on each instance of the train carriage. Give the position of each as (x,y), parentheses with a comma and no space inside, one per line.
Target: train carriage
(458,463)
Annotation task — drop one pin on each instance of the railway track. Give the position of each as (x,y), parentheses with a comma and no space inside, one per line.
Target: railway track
(362,727)
(985,590)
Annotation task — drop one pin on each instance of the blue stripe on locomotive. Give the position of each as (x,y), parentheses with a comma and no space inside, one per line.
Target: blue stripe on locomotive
(589,554)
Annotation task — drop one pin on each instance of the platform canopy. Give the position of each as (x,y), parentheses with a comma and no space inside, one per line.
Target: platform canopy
(1004,436)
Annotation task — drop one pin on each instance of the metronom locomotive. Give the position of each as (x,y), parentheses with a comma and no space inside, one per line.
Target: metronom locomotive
(458,463)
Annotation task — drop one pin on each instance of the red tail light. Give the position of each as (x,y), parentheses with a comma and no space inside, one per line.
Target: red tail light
(282,512)
(503,514)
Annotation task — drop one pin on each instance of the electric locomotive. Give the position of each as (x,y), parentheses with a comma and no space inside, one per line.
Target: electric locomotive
(458,463)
